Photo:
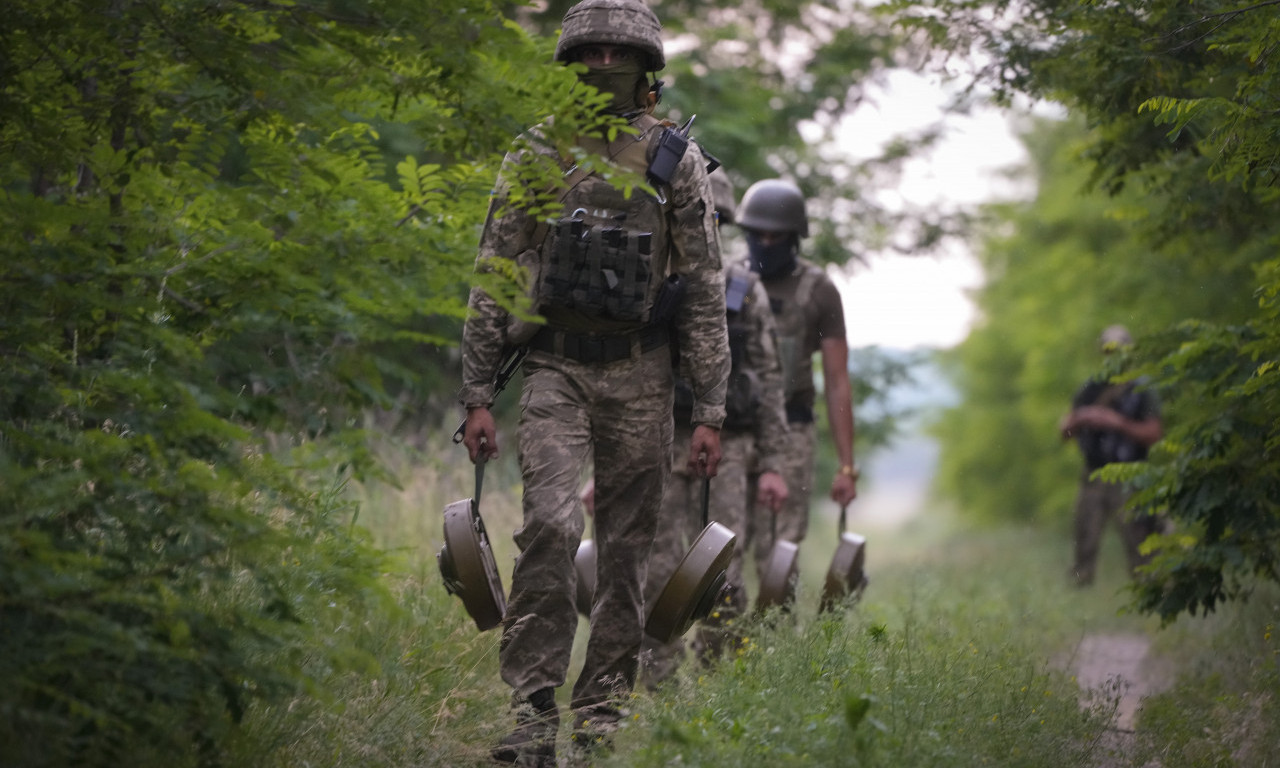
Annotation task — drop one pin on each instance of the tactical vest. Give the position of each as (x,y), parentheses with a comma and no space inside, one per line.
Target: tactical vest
(1106,446)
(605,259)
(793,326)
(742,397)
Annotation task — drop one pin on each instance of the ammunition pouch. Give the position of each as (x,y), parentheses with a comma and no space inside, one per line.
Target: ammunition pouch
(798,413)
(600,271)
(667,302)
(741,401)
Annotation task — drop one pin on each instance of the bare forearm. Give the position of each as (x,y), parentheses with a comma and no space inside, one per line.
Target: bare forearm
(839,396)
(840,418)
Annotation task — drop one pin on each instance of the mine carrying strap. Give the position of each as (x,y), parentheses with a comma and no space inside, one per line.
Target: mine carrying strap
(595,348)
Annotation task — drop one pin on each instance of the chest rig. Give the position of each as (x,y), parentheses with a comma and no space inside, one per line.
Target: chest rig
(606,257)
(742,396)
(793,319)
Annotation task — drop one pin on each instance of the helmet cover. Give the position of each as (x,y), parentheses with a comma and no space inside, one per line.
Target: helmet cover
(613,22)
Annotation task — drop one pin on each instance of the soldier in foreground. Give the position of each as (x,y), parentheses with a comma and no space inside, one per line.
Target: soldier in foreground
(753,434)
(598,381)
(810,318)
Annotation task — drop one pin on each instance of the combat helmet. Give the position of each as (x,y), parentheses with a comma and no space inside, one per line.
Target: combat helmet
(1115,337)
(613,22)
(774,205)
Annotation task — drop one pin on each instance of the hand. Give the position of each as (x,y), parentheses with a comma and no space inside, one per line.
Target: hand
(704,451)
(1090,417)
(844,489)
(771,490)
(480,435)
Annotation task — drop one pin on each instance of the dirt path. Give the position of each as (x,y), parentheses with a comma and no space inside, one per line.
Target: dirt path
(1111,665)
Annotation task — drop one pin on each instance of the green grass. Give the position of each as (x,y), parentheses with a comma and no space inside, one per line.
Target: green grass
(959,654)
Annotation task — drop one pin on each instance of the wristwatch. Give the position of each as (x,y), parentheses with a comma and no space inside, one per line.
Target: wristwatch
(850,470)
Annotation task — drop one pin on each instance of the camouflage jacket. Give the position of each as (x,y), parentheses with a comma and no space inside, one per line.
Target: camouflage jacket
(762,357)
(692,251)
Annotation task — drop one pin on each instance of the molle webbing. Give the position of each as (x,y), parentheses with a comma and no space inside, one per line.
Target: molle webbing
(600,269)
(607,257)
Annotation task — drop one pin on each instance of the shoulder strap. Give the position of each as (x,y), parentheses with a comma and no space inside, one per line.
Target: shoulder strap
(628,150)
(804,289)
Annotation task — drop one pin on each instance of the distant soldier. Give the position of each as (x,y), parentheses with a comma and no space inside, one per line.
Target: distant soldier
(753,435)
(810,317)
(598,381)
(1110,422)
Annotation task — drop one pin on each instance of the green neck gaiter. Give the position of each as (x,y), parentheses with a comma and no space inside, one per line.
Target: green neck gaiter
(625,83)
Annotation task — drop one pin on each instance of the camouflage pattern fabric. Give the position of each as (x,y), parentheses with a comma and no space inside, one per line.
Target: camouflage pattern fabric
(797,455)
(763,357)
(569,411)
(693,251)
(681,517)
(612,22)
(618,414)
(808,309)
(1097,504)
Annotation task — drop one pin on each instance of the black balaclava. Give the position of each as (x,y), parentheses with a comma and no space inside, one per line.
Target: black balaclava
(625,82)
(774,260)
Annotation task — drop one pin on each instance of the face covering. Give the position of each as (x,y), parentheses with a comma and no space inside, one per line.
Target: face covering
(773,260)
(624,83)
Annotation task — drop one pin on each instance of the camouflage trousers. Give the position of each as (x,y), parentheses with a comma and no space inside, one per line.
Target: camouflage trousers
(1097,504)
(680,522)
(792,521)
(620,414)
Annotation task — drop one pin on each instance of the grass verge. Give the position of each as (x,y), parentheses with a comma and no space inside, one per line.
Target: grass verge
(959,654)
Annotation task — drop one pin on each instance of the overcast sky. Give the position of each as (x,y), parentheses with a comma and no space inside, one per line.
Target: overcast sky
(914,301)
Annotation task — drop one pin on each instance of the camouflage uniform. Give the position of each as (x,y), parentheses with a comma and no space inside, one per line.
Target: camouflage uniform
(577,404)
(808,309)
(1099,501)
(743,446)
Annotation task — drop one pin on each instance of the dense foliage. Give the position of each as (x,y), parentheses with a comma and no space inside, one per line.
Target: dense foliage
(770,82)
(235,230)
(1178,101)
(229,225)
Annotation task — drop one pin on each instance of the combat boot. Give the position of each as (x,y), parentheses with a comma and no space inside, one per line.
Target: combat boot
(533,742)
(593,729)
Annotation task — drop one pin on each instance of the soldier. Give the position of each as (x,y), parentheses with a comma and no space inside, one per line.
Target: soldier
(597,380)
(1110,422)
(753,435)
(810,319)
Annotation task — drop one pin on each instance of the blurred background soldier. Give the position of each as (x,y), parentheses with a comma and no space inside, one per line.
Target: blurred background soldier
(1110,422)
(597,381)
(810,318)
(753,434)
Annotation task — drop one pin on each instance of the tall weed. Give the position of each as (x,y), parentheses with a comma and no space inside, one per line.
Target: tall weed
(959,654)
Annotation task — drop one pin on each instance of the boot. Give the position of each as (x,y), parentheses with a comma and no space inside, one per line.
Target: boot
(533,742)
(593,729)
